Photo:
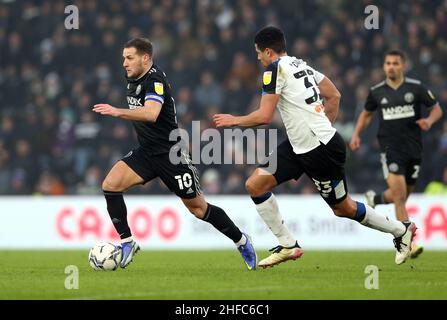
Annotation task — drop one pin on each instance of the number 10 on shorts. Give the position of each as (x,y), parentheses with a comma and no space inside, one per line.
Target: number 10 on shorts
(185,181)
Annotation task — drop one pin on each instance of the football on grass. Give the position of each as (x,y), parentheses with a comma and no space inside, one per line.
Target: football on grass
(105,256)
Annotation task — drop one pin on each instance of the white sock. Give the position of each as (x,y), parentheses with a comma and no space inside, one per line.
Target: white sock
(379,222)
(128,239)
(241,242)
(269,212)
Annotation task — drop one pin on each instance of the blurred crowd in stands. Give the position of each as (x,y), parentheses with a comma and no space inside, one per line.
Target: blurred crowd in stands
(51,143)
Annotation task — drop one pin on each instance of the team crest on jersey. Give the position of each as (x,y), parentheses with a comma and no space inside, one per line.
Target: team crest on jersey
(267,77)
(393,167)
(409,97)
(138,90)
(158,86)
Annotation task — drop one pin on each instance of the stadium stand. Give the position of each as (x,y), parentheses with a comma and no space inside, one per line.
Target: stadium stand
(50,77)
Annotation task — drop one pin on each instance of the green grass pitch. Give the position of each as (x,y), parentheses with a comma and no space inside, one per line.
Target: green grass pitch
(219,275)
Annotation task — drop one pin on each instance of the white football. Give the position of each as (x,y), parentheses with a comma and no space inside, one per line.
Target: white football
(105,256)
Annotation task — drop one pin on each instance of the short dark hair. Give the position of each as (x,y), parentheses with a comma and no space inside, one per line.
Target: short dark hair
(396,52)
(142,45)
(271,37)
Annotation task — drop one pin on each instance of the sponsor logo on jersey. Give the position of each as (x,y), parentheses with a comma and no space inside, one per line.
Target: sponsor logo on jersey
(158,86)
(134,102)
(384,101)
(398,112)
(267,77)
(409,97)
(318,108)
(138,90)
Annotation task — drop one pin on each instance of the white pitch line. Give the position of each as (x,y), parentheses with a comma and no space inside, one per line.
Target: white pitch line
(145,294)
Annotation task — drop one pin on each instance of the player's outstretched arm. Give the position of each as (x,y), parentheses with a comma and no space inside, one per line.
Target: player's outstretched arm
(435,115)
(149,112)
(363,121)
(332,98)
(263,115)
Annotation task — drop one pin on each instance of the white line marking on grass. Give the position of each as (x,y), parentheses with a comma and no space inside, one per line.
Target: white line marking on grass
(147,294)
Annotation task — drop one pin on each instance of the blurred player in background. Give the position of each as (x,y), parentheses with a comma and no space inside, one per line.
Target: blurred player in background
(400,101)
(153,115)
(313,147)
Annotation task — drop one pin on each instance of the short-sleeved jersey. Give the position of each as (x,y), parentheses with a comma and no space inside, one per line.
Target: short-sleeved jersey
(399,109)
(153,137)
(300,104)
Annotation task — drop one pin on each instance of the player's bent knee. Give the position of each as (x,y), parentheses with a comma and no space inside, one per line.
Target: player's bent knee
(198,212)
(111,185)
(345,209)
(339,212)
(250,187)
(260,182)
(197,206)
(254,188)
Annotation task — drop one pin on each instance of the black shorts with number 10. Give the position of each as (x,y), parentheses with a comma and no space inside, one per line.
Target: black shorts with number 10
(324,165)
(181,178)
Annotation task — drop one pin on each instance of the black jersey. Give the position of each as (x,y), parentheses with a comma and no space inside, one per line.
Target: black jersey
(398,111)
(153,137)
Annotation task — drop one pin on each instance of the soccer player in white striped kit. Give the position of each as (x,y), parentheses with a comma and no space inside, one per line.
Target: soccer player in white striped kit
(313,147)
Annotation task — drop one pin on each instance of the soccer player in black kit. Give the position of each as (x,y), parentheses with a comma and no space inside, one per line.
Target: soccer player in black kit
(400,101)
(152,112)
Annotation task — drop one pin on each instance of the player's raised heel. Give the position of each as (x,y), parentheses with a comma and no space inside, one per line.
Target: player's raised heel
(281,254)
(248,253)
(403,243)
(129,249)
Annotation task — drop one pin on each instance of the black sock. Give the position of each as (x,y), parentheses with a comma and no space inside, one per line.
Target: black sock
(118,212)
(222,222)
(379,199)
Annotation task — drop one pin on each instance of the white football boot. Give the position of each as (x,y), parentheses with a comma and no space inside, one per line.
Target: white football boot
(403,243)
(281,254)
